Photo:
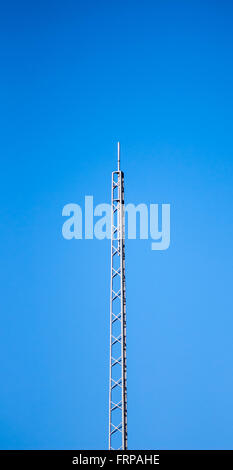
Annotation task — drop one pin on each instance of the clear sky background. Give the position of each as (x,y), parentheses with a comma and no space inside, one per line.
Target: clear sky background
(75,78)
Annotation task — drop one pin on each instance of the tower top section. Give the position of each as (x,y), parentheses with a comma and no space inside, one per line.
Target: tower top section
(118,155)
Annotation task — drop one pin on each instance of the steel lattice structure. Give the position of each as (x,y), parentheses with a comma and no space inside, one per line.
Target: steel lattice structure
(117,386)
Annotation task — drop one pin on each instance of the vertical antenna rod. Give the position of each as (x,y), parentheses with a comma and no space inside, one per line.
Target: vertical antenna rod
(118,155)
(118,437)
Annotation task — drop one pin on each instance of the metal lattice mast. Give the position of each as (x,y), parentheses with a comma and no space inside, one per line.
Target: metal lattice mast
(117,386)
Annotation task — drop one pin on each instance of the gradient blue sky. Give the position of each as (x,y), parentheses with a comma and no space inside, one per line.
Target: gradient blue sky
(75,78)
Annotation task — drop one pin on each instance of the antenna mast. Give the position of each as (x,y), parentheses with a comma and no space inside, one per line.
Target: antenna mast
(117,387)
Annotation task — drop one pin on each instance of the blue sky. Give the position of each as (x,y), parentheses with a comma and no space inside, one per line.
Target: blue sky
(75,78)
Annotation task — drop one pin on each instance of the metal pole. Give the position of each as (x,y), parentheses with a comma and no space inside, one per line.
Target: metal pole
(117,386)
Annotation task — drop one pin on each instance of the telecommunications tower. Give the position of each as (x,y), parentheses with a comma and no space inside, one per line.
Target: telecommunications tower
(117,382)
